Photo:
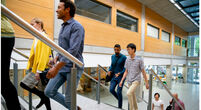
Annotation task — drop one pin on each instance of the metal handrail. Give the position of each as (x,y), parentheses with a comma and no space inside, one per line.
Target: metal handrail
(3,103)
(102,68)
(94,80)
(14,59)
(87,75)
(27,102)
(30,96)
(167,89)
(124,85)
(20,53)
(26,26)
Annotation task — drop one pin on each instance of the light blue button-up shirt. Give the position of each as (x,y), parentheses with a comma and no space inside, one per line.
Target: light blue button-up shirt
(71,39)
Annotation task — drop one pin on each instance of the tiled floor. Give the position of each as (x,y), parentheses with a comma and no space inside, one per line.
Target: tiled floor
(188,93)
(83,102)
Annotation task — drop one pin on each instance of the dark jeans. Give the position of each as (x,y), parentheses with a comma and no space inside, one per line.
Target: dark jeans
(8,90)
(118,95)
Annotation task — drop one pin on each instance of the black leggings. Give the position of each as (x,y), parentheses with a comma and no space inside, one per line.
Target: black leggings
(8,90)
(44,99)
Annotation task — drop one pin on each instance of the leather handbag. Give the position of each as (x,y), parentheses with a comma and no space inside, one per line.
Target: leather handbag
(109,78)
(44,79)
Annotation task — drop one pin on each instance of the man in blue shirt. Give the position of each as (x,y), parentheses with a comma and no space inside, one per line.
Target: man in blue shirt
(117,70)
(71,38)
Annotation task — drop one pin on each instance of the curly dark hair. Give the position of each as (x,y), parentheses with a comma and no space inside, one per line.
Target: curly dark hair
(69,3)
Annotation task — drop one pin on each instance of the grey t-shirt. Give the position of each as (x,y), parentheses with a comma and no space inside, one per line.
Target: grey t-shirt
(134,67)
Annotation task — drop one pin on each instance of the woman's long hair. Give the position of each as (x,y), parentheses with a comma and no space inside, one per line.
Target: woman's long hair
(37,20)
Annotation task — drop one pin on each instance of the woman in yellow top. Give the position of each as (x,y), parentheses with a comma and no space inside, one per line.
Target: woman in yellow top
(38,61)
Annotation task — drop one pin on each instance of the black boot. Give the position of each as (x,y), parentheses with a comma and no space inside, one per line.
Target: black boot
(44,99)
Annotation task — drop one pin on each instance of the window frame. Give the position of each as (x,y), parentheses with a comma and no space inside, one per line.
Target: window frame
(185,43)
(148,24)
(167,33)
(130,17)
(179,40)
(100,3)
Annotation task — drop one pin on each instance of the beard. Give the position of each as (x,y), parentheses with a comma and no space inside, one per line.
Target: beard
(59,16)
(117,54)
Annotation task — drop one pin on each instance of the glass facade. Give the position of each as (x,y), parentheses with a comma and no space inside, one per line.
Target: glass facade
(193,75)
(193,46)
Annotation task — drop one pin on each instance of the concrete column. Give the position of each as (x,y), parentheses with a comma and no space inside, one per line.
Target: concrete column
(57,22)
(143,28)
(172,40)
(169,76)
(185,73)
(140,88)
(169,67)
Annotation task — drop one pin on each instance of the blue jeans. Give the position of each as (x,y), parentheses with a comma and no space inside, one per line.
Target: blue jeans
(118,95)
(54,84)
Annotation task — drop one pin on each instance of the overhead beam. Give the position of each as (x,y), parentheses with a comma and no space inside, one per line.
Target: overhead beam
(190,6)
(195,11)
(195,16)
(179,0)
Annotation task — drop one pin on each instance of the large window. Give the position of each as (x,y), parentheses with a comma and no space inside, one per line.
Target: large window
(165,36)
(127,21)
(94,10)
(184,43)
(177,40)
(152,31)
(193,46)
